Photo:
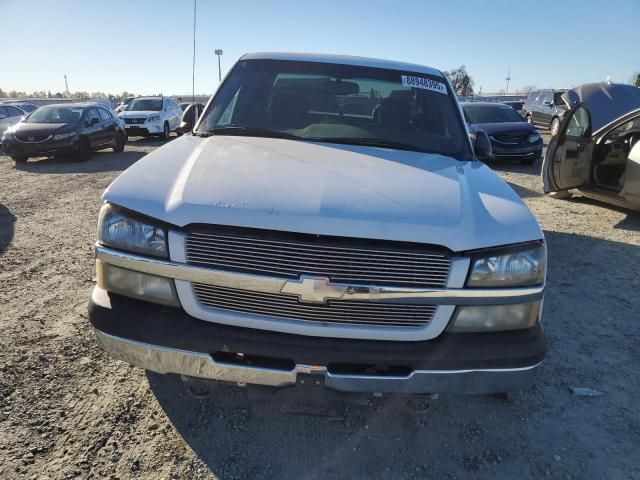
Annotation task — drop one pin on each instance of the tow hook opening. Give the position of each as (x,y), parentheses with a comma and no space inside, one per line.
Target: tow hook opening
(369,369)
(256,361)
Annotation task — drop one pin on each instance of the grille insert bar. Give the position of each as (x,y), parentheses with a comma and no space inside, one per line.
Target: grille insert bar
(388,265)
(335,312)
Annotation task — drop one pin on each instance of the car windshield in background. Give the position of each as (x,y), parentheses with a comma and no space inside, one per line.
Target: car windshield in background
(491,114)
(55,115)
(145,105)
(27,107)
(341,104)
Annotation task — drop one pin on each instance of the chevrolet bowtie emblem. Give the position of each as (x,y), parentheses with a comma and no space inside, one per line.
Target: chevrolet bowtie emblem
(313,289)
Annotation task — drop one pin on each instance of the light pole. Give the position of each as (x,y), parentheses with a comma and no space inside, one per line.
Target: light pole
(508,79)
(218,52)
(193,66)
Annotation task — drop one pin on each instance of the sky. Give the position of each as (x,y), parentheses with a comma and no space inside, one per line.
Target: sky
(146,47)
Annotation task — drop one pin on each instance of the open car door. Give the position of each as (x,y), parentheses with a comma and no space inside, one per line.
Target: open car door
(567,162)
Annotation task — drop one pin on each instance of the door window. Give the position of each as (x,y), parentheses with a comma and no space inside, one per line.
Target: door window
(3,113)
(104,115)
(579,124)
(13,111)
(91,114)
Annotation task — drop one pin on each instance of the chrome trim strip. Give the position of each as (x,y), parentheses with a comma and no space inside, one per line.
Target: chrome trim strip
(267,284)
(201,365)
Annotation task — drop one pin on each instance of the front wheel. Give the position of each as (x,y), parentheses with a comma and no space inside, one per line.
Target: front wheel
(83,152)
(555,126)
(120,141)
(19,158)
(166,131)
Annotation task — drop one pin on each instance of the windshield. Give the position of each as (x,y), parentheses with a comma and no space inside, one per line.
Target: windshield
(27,107)
(55,115)
(338,104)
(145,105)
(491,114)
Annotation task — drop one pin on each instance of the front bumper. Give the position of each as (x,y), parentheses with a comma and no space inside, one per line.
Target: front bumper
(501,151)
(143,129)
(36,149)
(167,340)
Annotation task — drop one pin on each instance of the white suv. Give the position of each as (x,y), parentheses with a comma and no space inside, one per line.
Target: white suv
(157,116)
(9,116)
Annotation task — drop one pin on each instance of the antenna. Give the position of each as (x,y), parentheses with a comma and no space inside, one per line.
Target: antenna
(508,79)
(66,84)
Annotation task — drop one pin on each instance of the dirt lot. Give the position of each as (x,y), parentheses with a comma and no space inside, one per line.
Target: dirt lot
(67,411)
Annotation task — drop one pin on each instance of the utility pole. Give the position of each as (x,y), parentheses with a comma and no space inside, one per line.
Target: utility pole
(193,67)
(66,84)
(218,52)
(508,79)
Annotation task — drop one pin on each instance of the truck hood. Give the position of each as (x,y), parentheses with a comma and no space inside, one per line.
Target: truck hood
(605,101)
(325,189)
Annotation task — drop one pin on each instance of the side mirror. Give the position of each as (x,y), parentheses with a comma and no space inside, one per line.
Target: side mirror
(482,145)
(94,121)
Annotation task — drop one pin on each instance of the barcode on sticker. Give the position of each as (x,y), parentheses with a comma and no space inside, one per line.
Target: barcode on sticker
(424,83)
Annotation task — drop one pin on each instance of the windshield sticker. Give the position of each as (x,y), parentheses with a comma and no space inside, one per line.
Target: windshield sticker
(424,83)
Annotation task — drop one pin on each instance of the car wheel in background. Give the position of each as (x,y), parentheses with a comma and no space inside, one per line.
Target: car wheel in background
(166,132)
(555,126)
(120,141)
(83,151)
(19,158)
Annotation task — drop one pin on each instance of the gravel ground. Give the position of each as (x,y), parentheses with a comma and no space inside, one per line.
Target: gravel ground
(67,411)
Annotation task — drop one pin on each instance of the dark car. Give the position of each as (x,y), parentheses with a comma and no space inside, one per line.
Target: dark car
(517,105)
(512,138)
(546,109)
(75,129)
(190,116)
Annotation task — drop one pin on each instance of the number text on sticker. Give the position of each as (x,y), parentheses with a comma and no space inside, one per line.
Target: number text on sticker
(424,83)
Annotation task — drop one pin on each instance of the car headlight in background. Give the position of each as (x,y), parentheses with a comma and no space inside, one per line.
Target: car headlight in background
(517,267)
(62,136)
(153,119)
(532,138)
(118,229)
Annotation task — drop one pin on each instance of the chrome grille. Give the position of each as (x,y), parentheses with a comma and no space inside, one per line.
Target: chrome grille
(132,121)
(381,263)
(337,311)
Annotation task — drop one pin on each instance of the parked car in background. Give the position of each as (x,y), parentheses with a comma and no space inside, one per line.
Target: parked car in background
(597,150)
(190,117)
(123,104)
(546,110)
(75,129)
(517,105)
(9,116)
(512,138)
(27,107)
(156,116)
(287,239)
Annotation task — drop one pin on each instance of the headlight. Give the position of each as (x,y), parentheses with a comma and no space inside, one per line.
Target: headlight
(62,136)
(495,318)
(534,137)
(509,268)
(119,230)
(153,119)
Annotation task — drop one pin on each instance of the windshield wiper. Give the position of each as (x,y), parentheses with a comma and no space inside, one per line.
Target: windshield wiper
(248,132)
(373,142)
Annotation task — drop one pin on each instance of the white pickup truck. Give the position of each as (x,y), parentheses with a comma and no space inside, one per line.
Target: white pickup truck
(326,218)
